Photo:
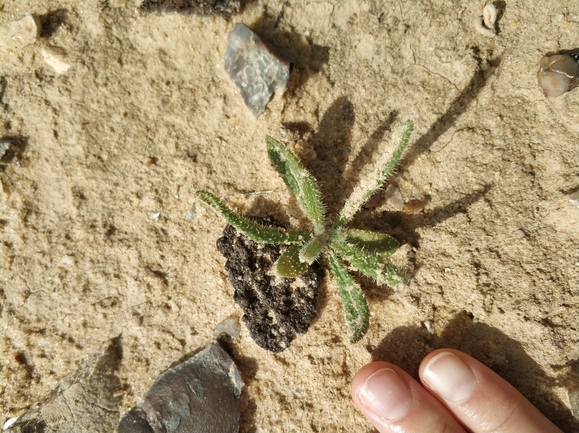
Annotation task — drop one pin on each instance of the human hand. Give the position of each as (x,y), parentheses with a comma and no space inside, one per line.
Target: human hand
(457,394)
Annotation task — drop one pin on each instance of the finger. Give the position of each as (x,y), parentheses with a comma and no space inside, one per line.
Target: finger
(478,397)
(394,402)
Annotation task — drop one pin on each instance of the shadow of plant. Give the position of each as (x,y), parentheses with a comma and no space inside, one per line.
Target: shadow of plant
(406,346)
(457,107)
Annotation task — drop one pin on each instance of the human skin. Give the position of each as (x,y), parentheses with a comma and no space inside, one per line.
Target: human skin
(457,394)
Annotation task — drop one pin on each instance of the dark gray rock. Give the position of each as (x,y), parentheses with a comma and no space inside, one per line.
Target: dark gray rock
(275,309)
(200,395)
(254,68)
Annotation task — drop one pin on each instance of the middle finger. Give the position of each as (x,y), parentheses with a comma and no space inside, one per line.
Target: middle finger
(394,402)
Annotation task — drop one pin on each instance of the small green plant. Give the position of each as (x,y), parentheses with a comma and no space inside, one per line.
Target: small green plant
(364,250)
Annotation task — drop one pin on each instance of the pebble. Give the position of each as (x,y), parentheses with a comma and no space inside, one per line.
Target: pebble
(574,198)
(20,33)
(190,214)
(229,326)
(429,326)
(198,395)
(254,68)
(4,146)
(558,74)
(55,61)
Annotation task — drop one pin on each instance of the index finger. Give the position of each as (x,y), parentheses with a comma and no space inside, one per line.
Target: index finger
(478,397)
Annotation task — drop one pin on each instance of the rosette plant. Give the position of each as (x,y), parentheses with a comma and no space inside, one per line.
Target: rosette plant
(364,250)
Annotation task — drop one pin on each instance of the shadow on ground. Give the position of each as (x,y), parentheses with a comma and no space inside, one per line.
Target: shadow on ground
(406,346)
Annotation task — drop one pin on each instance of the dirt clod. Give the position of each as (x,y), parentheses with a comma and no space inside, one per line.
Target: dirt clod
(275,309)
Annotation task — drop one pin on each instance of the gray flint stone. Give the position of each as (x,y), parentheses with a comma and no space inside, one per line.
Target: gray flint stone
(254,68)
(85,401)
(200,395)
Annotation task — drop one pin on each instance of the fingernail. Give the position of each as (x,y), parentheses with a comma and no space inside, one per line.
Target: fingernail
(450,377)
(386,394)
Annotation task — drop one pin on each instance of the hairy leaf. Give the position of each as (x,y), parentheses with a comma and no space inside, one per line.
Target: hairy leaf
(372,242)
(392,275)
(296,177)
(366,262)
(355,305)
(289,263)
(371,263)
(251,229)
(353,205)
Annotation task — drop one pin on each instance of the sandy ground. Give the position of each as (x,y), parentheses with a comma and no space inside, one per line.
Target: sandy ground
(102,236)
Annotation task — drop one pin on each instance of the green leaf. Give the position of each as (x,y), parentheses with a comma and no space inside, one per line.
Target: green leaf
(354,204)
(392,276)
(372,242)
(366,262)
(251,229)
(296,177)
(371,263)
(289,263)
(353,300)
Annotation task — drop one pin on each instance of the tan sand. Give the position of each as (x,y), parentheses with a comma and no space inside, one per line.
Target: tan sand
(96,241)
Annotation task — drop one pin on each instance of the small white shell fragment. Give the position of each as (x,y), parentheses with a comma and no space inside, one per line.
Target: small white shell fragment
(429,326)
(558,74)
(9,423)
(67,260)
(55,61)
(4,146)
(17,34)
(485,25)
(490,16)
(254,68)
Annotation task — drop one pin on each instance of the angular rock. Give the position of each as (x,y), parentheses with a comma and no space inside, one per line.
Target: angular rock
(199,7)
(86,400)
(198,395)
(4,146)
(275,309)
(229,327)
(55,60)
(255,69)
(17,34)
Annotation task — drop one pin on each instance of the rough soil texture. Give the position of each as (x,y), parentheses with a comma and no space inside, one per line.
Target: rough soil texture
(101,234)
(274,309)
